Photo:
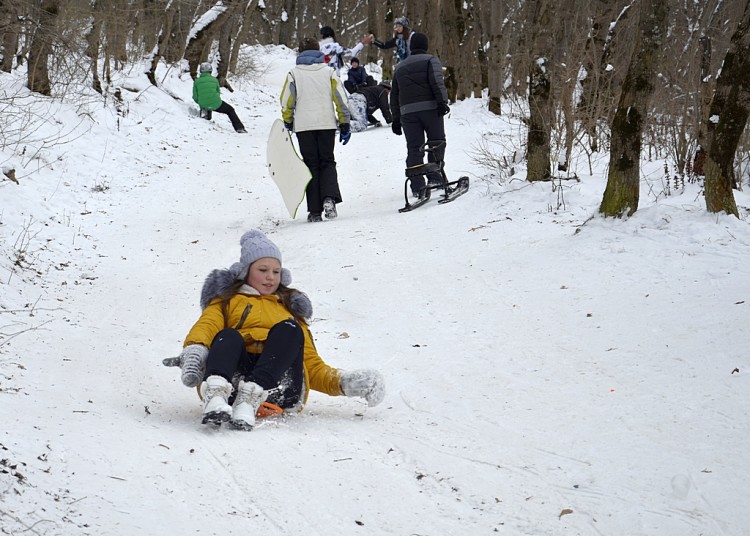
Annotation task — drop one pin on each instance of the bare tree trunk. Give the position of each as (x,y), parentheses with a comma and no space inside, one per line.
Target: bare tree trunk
(728,115)
(147,23)
(496,57)
(162,41)
(706,96)
(541,20)
(599,87)
(93,43)
(242,34)
(10,26)
(226,34)
(202,35)
(622,193)
(41,47)
(288,28)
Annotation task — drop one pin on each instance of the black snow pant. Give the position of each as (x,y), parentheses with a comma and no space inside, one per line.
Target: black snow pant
(229,110)
(351,88)
(278,369)
(415,126)
(317,147)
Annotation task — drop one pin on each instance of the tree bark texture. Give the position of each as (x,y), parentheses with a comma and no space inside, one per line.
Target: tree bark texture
(11,28)
(41,47)
(242,34)
(162,42)
(203,35)
(541,18)
(226,35)
(93,44)
(728,116)
(623,181)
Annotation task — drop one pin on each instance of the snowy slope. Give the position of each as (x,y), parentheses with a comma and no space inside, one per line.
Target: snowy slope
(547,372)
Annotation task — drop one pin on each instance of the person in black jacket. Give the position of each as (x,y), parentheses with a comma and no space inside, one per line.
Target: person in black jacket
(401,41)
(356,77)
(419,100)
(377,99)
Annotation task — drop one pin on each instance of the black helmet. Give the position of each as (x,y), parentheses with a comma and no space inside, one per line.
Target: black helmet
(326,31)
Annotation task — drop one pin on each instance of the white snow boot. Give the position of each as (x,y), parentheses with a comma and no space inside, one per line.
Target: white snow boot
(216,392)
(249,397)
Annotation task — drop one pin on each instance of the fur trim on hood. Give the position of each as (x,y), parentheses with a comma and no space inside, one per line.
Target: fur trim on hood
(219,282)
(301,305)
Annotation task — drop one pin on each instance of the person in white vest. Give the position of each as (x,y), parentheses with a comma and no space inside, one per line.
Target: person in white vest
(313,104)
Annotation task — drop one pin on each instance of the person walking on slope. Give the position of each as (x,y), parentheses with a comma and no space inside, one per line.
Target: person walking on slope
(251,350)
(419,100)
(402,39)
(207,95)
(313,102)
(334,52)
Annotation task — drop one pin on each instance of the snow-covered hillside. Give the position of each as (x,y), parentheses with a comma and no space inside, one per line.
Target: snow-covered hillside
(549,372)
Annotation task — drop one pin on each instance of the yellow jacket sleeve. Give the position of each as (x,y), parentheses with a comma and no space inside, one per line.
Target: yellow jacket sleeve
(340,101)
(321,377)
(208,325)
(288,98)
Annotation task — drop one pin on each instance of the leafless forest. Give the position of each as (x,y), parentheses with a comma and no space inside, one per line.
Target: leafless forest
(625,76)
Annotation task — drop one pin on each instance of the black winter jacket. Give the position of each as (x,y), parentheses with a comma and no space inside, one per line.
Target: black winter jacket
(417,85)
(377,99)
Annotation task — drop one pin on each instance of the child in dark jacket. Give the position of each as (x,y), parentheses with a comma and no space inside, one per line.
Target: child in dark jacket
(377,99)
(356,78)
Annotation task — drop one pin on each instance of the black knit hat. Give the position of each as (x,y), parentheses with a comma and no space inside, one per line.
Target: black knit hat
(418,41)
(326,31)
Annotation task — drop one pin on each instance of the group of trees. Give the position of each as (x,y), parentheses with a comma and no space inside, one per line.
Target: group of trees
(589,73)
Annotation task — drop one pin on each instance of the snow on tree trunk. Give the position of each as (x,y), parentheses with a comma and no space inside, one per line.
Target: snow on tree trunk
(623,180)
(202,34)
(728,116)
(540,115)
(541,22)
(162,41)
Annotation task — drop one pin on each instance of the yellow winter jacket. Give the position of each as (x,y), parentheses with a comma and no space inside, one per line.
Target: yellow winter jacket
(253,316)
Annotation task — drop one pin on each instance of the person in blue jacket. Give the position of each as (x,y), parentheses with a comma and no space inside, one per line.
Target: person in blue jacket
(357,77)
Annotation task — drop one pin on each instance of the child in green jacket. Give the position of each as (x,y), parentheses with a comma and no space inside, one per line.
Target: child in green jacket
(206,94)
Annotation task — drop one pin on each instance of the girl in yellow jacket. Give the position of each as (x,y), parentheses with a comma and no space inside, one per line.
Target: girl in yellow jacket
(251,345)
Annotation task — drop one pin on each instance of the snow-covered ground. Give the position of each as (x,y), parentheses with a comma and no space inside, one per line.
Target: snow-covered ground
(548,371)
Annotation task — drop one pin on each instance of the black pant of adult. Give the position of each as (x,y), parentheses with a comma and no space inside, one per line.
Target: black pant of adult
(278,369)
(229,110)
(317,147)
(415,126)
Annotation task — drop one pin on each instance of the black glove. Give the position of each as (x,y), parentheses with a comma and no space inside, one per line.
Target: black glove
(396,127)
(289,126)
(443,108)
